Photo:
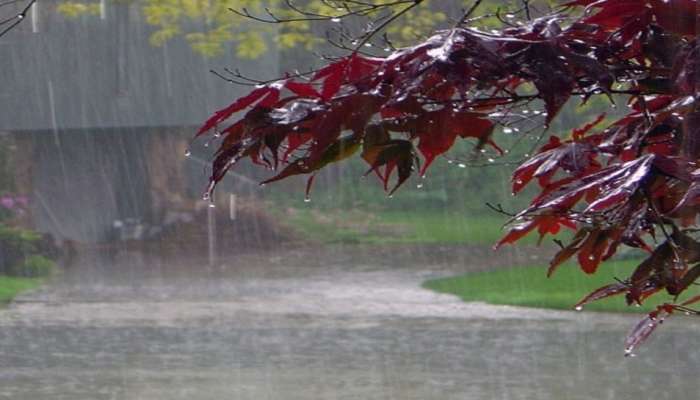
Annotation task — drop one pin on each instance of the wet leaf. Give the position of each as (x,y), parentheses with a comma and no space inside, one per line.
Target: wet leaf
(645,327)
(234,107)
(606,291)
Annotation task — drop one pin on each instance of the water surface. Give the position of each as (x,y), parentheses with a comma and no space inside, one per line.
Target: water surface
(309,323)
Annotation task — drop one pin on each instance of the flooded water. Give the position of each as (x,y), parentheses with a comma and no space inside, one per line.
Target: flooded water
(335,323)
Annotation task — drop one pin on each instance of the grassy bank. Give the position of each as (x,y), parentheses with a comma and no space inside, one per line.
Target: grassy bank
(528,286)
(10,287)
(394,226)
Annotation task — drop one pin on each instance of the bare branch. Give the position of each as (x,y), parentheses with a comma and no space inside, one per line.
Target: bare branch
(16,19)
(469,12)
(361,9)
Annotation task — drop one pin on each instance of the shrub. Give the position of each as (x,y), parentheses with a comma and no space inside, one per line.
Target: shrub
(35,266)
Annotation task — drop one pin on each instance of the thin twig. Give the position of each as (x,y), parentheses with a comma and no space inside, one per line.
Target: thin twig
(386,23)
(17,18)
(469,13)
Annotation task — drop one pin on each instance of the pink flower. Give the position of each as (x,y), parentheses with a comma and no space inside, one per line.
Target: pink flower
(7,202)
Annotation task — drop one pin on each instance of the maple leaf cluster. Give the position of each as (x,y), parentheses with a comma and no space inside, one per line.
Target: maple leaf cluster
(634,182)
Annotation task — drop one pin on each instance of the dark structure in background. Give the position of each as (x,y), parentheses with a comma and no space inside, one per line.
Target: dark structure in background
(101,119)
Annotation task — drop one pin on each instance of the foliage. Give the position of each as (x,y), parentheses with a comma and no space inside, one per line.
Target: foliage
(12,205)
(24,253)
(615,185)
(452,187)
(219,26)
(23,240)
(34,266)
(74,9)
(209,26)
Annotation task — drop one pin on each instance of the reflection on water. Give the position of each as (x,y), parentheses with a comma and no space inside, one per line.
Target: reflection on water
(315,324)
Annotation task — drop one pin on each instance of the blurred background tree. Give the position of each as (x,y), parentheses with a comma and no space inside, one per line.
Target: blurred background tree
(210,25)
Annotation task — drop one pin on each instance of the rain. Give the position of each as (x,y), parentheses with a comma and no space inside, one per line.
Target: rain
(158,290)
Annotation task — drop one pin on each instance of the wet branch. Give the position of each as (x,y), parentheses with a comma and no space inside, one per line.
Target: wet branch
(13,21)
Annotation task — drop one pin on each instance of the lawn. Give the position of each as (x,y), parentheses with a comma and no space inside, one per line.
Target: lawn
(395,226)
(12,286)
(529,286)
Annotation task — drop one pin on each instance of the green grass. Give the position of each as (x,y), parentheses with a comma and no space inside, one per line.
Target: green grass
(435,227)
(529,286)
(382,227)
(10,287)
